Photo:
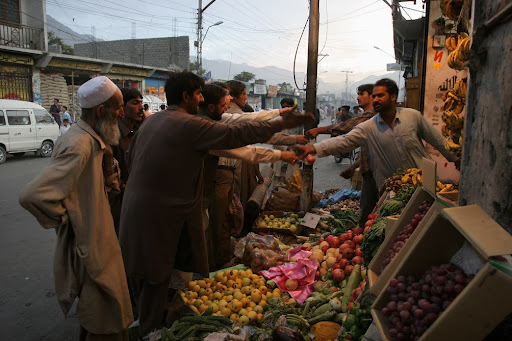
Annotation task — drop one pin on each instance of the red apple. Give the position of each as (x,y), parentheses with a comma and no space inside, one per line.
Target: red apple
(348,253)
(358,260)
(348,269)
(359,252)
(335,242)
(338,275)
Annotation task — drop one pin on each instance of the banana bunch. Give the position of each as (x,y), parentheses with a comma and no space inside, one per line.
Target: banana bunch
(442,188)
(295,183)
(452,8)
(412,176)
(453,122)
(460,54)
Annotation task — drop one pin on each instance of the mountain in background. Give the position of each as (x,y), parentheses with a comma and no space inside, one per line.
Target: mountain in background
(225,70)
(68,36)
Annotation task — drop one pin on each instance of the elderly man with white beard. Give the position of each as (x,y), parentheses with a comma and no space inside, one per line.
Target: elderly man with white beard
(71,196)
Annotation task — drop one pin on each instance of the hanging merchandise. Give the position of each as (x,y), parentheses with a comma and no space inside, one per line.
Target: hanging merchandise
(453,121)
(459,47)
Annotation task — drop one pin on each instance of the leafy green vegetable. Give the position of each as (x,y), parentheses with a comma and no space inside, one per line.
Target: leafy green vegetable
(343,221)
(391,207)
(373,238)
(405,193)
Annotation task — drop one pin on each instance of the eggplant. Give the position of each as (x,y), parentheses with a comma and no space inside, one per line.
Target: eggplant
(286,334)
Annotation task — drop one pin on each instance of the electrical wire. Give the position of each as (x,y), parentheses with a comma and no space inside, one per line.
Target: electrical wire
(296,52)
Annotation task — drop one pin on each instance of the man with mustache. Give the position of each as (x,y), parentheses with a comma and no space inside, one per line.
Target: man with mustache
(369,191)
(161,223)
(70,196)
(393,137)
(128,126)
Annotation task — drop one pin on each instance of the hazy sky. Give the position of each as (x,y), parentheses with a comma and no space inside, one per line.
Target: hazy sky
(260,33)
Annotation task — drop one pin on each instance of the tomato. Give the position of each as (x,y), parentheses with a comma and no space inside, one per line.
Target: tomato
(372,216)
(343,237)
(335,242)
(310,159)
(358,239)
(359,252)
(350,243)
(320,240)
(369,223)
(350,234)
(357,230)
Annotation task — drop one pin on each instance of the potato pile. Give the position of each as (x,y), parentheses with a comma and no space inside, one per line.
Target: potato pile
(239,295)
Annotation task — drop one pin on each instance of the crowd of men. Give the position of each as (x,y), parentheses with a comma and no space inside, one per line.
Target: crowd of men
(139,203)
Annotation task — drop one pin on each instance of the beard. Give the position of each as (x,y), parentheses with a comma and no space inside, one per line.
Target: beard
(108,130)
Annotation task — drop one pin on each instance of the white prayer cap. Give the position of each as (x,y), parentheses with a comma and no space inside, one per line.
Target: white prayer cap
(96,91)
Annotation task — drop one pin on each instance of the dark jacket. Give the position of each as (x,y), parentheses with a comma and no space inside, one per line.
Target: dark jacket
(161,225)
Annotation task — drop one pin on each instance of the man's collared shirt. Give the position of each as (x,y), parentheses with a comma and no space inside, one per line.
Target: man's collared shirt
(389,148)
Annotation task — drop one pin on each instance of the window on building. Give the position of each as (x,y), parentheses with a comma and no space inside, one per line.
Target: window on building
(18,117)
(10,11)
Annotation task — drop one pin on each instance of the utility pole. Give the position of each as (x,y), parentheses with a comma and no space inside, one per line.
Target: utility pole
(346,83)
(314,26)
(198,43)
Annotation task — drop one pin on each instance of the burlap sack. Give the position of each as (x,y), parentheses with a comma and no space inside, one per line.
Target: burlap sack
(282,199)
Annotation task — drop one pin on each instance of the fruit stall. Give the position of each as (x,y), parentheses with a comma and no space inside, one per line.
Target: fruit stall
(405,275)
(421,268)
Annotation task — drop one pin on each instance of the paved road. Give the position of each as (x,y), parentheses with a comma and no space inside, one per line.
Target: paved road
(28,306)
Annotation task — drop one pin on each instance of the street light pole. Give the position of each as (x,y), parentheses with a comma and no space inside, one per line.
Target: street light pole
(378,48)
(201,44)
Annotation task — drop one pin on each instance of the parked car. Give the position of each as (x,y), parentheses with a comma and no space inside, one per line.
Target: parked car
(26,127)
(153,102)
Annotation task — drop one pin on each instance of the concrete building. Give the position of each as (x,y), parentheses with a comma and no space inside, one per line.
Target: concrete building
(169,52)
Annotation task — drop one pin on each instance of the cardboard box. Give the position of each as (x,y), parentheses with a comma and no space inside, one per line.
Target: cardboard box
(390,226)
(451,199)
(424,193)
(410,210)
(485,301)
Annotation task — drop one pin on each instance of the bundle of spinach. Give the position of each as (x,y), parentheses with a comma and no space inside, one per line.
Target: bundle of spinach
(373,238)
(405,193)
(343,220)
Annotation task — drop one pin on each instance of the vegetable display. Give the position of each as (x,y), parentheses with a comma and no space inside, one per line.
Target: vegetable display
(196,327)
(373,239)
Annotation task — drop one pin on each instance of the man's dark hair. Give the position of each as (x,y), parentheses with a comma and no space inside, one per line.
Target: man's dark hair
(65,107)
(346,107)
(212,94)
(288,100)
(365,87)
(130,93)
(221,84)
(64,120)
(56,99)
(179,82)
(390,85)
(162,106)
(146,106)
(235,88)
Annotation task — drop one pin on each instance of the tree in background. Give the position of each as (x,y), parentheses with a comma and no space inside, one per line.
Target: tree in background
(194,67)
(283,87)
(244,76)
(54,40)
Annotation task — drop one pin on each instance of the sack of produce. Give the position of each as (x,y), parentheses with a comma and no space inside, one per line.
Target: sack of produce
(282,199)
(260,252)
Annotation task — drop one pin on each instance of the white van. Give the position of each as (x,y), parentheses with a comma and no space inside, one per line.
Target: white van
(26,127)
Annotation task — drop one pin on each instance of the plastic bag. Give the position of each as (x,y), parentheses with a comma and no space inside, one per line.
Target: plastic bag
(259,252)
